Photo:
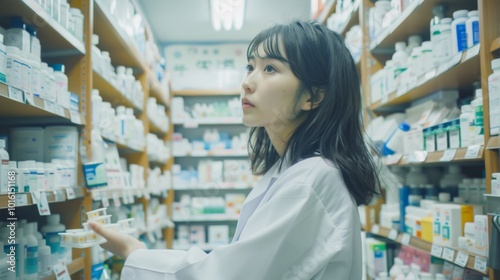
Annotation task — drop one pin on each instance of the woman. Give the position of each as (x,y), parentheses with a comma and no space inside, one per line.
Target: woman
(301,97)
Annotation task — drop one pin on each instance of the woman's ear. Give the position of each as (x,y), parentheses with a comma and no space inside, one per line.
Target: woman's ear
(312,101)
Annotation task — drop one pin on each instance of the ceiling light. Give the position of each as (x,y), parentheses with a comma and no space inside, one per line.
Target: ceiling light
(227,14)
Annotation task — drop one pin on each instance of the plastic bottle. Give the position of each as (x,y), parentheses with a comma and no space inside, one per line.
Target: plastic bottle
(396,268)
(35,47)
(14,64)
(414,62)
(50,175)
(96,54)
(122,79)
(477,105)
(472,28)
(61,85)
(44,258)
(31,259)
(36,77)
(37,234)
(3,61)
(51,232)
(395,142)
(465,125)
(435,28)
(96,107)
(399,60)
(78,18)
(51,85)
(4,168)
(494,97)
(450,181)
(426,57)
(442,42)
(106,65)
(130,119)
(41,179)
(414,178)
(26,75)
(405,269)
(390,82)
(458,31)
(64,13)
(413,42)
(121,126)
(18,36)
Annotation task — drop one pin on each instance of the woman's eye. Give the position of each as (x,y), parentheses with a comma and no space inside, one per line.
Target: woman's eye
(249,68)
(269,68)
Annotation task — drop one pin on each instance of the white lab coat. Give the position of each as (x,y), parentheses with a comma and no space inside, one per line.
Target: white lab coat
(300,223)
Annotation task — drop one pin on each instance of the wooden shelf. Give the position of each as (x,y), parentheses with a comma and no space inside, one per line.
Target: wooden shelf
(327,11)
(351,20)
(418,243)
(153,128)
(73,267)
(122,147)
(112,38)
(111,94)
(157,91)
(200,92)
(495,45)
(461,71)
(53,196)
(434,158)
(493,143)
(54,38)
(14,108)
(414,20)
(210,121)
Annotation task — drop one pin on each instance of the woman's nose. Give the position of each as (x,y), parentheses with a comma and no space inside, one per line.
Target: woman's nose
(248,85)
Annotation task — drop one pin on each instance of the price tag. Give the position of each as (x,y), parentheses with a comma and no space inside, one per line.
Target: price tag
(472,151)
(393,234)
(448,254)
(21,200)
(406,239)
(104,199)
(70,193)
(75,117)
(472,52)
(375,229)
(191,123)
(417,157)
(448,155)
(41,202)
(429,75)
(58,195)
(480,264)
(116,199)
(462,259)
(58,109)
(16,94)
(61,271)
(49,106)
(436,250)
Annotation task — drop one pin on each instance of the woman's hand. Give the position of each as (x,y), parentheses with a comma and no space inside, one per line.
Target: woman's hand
(120,244)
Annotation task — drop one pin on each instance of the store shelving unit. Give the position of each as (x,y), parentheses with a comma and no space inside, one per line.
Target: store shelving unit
(463,69)
(76,266)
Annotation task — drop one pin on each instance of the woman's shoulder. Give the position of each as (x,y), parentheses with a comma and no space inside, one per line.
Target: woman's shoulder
(313,169)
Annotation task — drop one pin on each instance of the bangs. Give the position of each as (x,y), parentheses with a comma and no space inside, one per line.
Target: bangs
(271,42)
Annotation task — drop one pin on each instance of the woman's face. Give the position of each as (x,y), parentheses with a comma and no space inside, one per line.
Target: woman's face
(269,94)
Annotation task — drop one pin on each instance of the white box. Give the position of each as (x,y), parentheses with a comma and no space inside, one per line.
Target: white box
(197,234)
(218,235)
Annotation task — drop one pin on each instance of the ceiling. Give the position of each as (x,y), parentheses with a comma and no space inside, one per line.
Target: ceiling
(176,21)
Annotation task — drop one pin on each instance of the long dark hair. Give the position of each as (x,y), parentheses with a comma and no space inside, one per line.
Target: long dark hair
(320,60)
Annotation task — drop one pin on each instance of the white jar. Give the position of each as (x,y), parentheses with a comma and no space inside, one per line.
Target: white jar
(77,17)
(56,10)
(36,77)
(18,36)
(96,107)
(45,90)
(14,67)
(441,41)
(472,28)
(64,14)
(35,47)
(465,125)
(414,63)
(61,86)
(3,61)
(458,31)
(400,62)
(413,42)
(426,57)
(106,65)
(494,97)
(477,105)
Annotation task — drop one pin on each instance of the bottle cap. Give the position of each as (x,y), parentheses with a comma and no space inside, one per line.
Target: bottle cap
(17,22)
(2,143)
(58,67)
(400,46)
(53,219)
(444,197)
(479,93)
(474,13)
(460,14)
(466,108)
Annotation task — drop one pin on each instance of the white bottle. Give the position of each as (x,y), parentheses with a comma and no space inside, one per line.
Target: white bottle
(4,265)
(35,47)
(51,233)
(121,125)
(396,268)
(24,175)
(414,63)
(56,10)
(50,175)
(3,61)
(130,83)
(122,79)
(96,107)
(44,258)
(61,86)
(63,14)
(426,57)
(390,82)
(37,234)
(458,31)
(18,36)
(51,85)
(130,120)
(106,65)
(96,55)
(45,91)
(405,269)
(33,175)
(4,168)
(31,254)
(395,142)
(494,97)
(472,28)
(441,41)
(465,125)
(14,67)
(399,60)
(477,105)
(36,77)
(41,179)
(21,251)
(413,42)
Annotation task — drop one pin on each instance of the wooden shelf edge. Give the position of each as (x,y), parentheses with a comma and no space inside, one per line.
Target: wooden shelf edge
(495,45)
(423,245)
(493,143)
(434,157)
(73,267)
(201,92)
(53,196)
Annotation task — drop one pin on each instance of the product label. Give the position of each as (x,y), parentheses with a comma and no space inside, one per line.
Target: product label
(494,102)
(3,68)
(475,32)
(4,168)
(31,261)
(479,120)
(54,242)
(454,137)
(461,38)
(14,72)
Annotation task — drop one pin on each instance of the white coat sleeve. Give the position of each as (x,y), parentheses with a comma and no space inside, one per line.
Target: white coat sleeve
(279,241)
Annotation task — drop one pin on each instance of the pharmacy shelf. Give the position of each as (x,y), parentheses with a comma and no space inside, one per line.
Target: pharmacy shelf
(12,105)
(351,19)
(157,91)
(414,20)
(112,38)
(211,187)
(53,196)
(157,162)
(494,143)
(194,123)
(460,71)
(55,39)
(111,94)
(460,155)
(73,267)
(128,195)
(205,247)
(154,128)
(327,10)
(428,247)
(495,45)
(123,148)
(218,153)
(208,218)
(195,92)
